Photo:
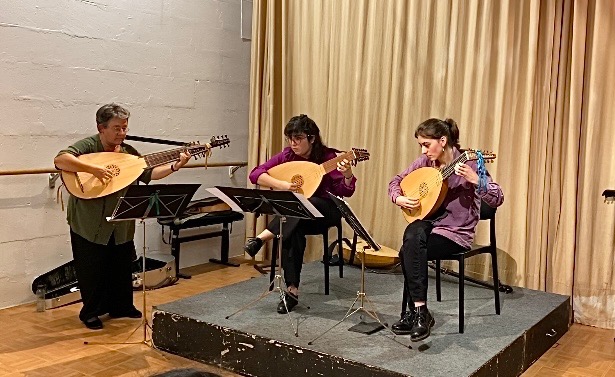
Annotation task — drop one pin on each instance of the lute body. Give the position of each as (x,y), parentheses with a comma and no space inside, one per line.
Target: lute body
(125,168)
(429,186)
(308,175)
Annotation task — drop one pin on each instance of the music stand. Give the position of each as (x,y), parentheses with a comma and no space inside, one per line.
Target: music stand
(150,202)
(359,229)
(267,202)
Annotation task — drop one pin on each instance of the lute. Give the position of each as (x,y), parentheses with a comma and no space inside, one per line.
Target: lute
(126,168)
(308,175)
(429,185)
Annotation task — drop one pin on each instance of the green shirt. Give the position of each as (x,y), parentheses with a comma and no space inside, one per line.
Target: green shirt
(88,217)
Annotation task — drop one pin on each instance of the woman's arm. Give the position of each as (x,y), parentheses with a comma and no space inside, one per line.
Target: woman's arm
(162,171)
(394,185)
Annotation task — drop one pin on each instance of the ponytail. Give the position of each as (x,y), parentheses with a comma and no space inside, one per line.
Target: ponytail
(435,128)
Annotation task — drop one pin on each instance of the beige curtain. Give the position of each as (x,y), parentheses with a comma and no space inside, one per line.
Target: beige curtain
(528,80)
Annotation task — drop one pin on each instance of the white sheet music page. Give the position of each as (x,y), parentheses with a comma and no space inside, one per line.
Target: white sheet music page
(308,205)
(225,198)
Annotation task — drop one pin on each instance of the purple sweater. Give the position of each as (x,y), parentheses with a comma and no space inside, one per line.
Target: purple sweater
(333,182)
(461,204)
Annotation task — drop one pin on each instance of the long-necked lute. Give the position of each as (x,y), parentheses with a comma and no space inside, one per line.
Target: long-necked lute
(429,185)
(308,175)
(126,168)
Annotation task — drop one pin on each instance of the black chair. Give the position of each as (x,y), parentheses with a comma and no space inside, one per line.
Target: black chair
(326,255)
(486,213)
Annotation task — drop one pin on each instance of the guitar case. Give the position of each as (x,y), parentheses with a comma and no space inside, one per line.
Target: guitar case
(62,287)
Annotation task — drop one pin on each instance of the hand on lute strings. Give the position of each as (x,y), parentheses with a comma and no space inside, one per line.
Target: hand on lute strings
(407,203)
(466,172)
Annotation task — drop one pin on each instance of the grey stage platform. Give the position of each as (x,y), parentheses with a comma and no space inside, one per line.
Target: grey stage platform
(260,342)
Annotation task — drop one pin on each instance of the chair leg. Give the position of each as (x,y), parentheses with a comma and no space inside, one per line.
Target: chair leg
(461,293)
(438,283)
(325,259)
(496,280)
(274,257)
(340,251)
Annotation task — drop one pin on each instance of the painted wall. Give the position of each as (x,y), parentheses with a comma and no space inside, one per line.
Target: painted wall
(179,66)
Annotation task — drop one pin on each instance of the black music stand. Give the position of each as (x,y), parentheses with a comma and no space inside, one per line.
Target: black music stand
(267,202)
(359,229)
(150,202)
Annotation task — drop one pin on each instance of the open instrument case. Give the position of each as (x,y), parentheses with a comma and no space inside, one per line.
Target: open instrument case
(62,287)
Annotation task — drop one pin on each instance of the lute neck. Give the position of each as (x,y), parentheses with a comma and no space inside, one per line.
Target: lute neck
(160,158)
(449,169)
(331,164)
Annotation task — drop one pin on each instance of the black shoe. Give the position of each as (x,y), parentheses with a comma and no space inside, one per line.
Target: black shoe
(291,302)
(131,313)
(93,323)
(422,324)
(253,246)
(405,323)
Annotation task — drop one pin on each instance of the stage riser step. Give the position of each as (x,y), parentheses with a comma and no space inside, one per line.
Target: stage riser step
(524,351)
(250,354)
(258,341)
(258,356)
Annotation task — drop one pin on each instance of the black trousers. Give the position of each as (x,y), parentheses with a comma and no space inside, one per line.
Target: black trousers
(294,232)
(420,246)
(104,273)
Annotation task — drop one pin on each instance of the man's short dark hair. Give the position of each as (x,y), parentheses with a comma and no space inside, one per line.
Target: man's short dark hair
(110,111)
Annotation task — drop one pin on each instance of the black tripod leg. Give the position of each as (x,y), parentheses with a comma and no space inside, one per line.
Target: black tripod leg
(502,287)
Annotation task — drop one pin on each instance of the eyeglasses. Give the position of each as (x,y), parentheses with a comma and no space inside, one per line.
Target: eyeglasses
(119,130)
(296,139)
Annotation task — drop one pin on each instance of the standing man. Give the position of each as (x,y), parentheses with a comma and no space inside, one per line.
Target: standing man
(103,251)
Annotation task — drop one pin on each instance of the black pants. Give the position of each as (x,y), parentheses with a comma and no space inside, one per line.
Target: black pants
(294,232)
(104,273)
(420,246)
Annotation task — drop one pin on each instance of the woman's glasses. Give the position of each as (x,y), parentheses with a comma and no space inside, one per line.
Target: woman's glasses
(296,139)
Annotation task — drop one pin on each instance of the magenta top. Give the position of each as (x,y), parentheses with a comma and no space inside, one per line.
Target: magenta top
(461,205)
(333,181)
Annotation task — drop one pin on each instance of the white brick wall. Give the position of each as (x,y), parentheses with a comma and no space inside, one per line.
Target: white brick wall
(181,68)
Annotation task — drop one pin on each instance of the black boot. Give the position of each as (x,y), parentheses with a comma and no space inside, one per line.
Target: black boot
(423,323)
(405,323)
(253,246)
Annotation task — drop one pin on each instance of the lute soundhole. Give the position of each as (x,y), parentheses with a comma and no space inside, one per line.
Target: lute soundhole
(297,180)
(423,190)
(115,170)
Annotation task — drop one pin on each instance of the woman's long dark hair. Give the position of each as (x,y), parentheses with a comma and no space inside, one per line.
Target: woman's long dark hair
(302,124)
(435,128)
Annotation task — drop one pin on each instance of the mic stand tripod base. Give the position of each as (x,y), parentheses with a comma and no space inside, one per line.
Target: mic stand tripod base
(279,283)
(278,288)
(361,298)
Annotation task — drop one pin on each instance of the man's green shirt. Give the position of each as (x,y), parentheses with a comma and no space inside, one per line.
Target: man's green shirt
(88,217)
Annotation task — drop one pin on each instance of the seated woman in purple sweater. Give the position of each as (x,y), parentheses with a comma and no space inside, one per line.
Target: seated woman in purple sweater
(450,230)
(305,144)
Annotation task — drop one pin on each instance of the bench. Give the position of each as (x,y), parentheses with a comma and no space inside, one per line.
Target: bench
(200,220)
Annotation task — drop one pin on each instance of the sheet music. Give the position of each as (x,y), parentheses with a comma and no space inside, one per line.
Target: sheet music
(290,208)
(225,198)
(308,205)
